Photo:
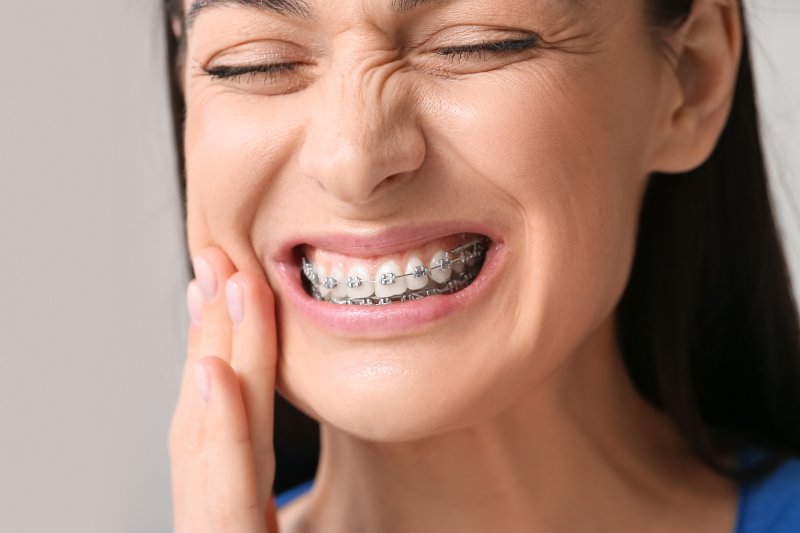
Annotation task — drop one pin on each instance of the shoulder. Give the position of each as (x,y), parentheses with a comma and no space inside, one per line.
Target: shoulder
(773,503)
(291,505)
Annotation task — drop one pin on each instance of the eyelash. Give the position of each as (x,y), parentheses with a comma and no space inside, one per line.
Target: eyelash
(271,70)
(491,47)
(455,53)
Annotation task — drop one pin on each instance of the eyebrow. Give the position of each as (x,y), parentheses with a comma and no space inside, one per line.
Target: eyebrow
(297,8)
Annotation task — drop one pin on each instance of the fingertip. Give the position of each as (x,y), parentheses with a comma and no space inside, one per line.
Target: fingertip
(220,372)
(234,297)
(194,303)
(203,381)
(212,364)
(211,267)
(205,277)
(254,286)
(211,372)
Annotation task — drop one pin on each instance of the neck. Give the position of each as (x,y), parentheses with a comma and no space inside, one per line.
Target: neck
(584,439)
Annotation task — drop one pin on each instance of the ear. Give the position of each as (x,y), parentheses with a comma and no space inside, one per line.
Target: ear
(178,28)
(706,51)
(176,24)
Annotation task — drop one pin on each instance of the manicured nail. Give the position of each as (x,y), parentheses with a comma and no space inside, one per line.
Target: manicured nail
(233,295)
(203,383)
(205,277)
(194,301)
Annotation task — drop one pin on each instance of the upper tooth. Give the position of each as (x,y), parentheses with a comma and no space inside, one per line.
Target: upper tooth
(311,272)
(458,266)
(440,267)
(387,282)
(418,277)
(308,269)
(324,286)
(340,290)
(358,284)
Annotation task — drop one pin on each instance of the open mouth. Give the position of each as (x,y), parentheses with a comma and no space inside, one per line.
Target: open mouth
(442,266)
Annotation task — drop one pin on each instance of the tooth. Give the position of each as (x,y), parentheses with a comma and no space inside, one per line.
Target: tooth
(340,290)
(310,271)
(440,267)
(419,278)
(307,268)
(458,266)
(387,282)
(358,284)
(324,283)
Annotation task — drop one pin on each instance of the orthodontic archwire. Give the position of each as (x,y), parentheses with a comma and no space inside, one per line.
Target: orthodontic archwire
(451,286)
(462,254)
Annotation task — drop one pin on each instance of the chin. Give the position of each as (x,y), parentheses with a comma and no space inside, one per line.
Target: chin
(389,408)
(406,390)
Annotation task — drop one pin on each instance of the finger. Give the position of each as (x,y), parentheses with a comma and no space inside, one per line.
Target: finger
(212,268)
(234,505)
(272,516)
(186,440)
(253,349)
(209,334)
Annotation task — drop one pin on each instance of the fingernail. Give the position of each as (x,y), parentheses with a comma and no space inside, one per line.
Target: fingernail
(233,295)
(205,277)
(203,383)
(194,302)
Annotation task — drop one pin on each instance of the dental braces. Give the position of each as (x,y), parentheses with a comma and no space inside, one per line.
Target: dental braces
(451,286)
(465,254)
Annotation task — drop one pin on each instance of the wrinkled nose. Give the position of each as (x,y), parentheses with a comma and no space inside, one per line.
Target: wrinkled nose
(361,140)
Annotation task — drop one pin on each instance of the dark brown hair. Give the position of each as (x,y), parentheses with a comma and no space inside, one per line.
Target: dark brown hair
(707,325)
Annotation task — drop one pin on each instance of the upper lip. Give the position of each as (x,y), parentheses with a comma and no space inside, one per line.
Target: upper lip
(372,242)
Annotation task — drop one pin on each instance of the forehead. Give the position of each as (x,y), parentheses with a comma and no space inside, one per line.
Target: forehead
(300,8)
(305,8)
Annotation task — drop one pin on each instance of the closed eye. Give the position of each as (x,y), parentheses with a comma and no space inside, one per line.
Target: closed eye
(271,70)
(490,47)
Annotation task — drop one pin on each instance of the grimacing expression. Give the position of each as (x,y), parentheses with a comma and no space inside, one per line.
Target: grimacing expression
(534,122)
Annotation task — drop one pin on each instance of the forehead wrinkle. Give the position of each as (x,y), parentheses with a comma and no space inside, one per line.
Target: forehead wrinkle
(297,8)
(403,6)
(300,8)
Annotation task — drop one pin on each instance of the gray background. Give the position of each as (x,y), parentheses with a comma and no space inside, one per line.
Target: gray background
(91,301)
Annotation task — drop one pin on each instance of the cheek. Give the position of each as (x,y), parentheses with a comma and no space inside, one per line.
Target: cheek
(564,151)
(235,149)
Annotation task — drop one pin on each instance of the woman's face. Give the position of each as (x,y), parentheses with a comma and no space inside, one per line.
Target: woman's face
(387,130)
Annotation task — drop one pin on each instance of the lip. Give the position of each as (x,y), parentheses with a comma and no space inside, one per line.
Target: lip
(382,321)
(370,243)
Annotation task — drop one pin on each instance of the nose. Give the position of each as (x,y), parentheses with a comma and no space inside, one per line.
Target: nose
(361,140)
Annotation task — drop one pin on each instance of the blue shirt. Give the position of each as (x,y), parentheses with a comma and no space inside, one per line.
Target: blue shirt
(770,506)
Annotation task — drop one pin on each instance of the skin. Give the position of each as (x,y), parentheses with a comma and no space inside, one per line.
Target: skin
(521,420)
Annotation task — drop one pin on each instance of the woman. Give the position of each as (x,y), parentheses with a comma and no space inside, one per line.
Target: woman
(516,257)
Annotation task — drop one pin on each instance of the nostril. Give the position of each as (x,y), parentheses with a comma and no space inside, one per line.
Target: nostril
(358,161)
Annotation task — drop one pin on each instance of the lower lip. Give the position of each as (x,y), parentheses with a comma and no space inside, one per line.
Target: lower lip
(391,319)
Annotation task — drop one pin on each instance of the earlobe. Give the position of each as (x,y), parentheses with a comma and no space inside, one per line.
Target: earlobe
(707,50)
(176,24)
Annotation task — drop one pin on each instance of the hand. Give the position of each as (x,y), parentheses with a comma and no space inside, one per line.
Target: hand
(220,438)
